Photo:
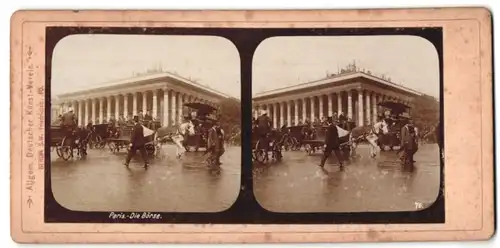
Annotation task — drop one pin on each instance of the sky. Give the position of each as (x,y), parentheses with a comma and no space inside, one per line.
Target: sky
(285,61)
(81,61)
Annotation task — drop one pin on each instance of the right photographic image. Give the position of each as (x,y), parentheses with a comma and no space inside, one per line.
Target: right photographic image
(346,123)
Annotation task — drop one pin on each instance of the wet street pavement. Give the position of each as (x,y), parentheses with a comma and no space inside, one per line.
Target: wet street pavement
(296,184)
(102,183)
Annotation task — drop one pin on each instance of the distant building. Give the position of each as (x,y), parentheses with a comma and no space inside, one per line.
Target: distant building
(354,93)
(163,94)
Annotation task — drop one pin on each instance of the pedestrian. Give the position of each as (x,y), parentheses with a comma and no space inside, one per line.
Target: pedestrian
(332,143)
(215,144)
(408,142)
(137,142)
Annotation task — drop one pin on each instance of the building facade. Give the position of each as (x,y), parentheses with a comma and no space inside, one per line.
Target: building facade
(160,94)
(356,94)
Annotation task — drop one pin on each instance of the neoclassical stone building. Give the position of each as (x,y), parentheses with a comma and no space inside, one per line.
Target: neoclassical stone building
(356,94)
(163,94)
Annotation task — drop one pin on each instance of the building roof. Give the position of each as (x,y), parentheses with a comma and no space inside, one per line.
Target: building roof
(333,79)
(142,78)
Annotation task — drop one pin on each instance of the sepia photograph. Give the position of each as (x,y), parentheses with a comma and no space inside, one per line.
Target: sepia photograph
(145,123)
(346,123)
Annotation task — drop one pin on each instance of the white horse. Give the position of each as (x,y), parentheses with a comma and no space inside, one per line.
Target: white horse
(177,135)
(378,128)
(368,133)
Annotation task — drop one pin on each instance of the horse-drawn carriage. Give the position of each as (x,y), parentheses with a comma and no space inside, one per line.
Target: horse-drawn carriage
(315,139)
(272,143)
(97,138)
(65,143)
(203,117)
(294,136)
(396,116)
(122,141)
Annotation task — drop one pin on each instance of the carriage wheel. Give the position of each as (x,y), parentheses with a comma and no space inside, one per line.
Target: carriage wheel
(309,149)
(260,154)
(66,151)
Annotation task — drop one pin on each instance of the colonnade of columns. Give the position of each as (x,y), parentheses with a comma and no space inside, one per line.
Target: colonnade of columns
(164,105)
(358,105)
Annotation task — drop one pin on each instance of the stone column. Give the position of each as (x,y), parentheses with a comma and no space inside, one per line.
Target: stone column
(101,110)
(80,113)
(144,102)
(134,104)
(360,108)
(173,108)
(94,112)
(125,106)
(282,113)
(288,113)
(320,101)
(87,113)
(275,115)
(155,104)
(179,107)
(368,108)
(330,107)
(349,104)
(339,102)
(117,107)
(166,109)
(313,108)
(296,111)
(304,109)
(108,107)
(374,107)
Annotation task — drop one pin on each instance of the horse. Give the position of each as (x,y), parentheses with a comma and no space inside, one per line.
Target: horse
(370,134)
(176,134)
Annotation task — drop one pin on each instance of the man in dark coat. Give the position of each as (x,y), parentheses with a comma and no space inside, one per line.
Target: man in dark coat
(137,142)
(264,127)
(68,121)
(332,144)
(408,142)
(215,143)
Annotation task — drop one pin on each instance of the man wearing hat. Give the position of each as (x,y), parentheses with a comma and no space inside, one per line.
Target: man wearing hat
(68,122)
(137,142)
(215,143)
(332,143)
(408,142)
(264,126)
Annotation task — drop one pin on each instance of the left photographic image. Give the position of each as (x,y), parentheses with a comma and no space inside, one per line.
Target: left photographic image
(145,123)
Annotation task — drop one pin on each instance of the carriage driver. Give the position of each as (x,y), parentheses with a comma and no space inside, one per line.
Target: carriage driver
(69,121)
(264,127)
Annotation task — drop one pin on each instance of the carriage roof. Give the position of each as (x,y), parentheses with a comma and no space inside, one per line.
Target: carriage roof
(395,107)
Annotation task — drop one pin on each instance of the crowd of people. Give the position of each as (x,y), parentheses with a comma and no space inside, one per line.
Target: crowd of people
(215,135)
(262,126)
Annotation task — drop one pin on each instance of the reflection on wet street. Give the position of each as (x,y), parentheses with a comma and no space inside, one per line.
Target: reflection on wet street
(296,184)
(102,183)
